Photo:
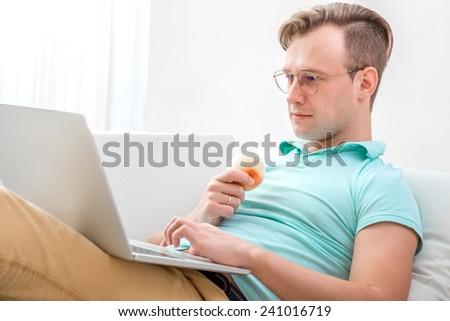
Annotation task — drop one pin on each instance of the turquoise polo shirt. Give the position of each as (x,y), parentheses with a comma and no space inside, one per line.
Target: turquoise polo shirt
(310,207)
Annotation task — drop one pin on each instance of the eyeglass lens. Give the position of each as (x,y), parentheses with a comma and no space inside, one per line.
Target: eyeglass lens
(306,81)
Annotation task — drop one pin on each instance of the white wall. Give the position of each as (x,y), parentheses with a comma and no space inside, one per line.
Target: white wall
(212,63)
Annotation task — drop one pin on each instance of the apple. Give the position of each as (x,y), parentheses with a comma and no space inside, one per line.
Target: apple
(248,164)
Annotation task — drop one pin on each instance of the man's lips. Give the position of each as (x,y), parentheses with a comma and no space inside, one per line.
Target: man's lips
(300,116)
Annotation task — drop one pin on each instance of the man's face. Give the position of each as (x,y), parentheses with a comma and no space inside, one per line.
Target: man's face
(333,107)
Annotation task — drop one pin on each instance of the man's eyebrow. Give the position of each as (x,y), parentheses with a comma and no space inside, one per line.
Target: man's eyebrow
(313,71)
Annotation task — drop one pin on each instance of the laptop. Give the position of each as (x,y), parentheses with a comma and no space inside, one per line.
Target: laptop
(51,159)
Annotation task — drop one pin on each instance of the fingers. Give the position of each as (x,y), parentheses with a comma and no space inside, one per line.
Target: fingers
(232,203)
(229,202)
(183,231)
(205,240)
(177,228)
(226,188)
(232,175)
(228,197)
(196,233)
(215,210)
(222,197)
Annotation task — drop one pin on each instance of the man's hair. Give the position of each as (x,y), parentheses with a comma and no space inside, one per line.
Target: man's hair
(368,36)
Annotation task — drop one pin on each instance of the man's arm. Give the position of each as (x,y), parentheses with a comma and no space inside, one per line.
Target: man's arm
(381,268)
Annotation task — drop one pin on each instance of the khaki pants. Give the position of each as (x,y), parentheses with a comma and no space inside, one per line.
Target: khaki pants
(43,259)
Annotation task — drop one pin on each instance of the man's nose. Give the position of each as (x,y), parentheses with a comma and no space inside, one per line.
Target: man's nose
(295,94)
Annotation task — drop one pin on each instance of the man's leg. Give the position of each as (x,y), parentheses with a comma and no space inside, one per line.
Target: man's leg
(43,259)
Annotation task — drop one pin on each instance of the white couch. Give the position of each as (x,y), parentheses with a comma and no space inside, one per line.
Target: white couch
(431,269)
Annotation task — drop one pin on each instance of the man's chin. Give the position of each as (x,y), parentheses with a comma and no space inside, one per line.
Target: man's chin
(311,137)
(315,139)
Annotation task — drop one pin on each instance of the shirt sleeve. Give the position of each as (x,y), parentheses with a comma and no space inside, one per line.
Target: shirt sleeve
(381,195)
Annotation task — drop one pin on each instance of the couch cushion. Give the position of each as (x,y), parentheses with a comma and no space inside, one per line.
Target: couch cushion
(431,268)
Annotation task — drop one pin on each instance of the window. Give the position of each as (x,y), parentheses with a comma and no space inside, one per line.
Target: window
(83,56)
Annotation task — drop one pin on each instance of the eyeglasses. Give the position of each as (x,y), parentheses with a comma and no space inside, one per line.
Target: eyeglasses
(308,82)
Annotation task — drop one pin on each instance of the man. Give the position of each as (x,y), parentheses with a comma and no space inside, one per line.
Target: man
(329,222)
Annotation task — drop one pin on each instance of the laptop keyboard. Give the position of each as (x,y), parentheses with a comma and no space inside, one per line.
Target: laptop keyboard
(165,252)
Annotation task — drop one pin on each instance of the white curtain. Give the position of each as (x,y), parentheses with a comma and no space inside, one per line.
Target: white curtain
(86,56)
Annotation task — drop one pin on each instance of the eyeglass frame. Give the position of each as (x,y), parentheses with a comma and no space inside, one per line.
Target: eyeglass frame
(317,78)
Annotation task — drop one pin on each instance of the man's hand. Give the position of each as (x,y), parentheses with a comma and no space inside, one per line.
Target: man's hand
(209,241)
(222,197)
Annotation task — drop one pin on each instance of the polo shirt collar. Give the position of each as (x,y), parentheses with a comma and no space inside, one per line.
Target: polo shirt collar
(371,149)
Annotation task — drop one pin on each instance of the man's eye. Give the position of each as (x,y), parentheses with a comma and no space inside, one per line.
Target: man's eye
(309,78)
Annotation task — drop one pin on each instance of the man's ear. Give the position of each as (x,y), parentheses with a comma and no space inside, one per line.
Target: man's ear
(368,82)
